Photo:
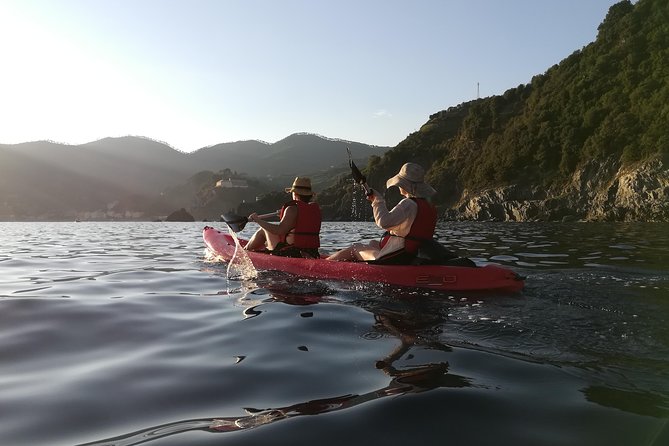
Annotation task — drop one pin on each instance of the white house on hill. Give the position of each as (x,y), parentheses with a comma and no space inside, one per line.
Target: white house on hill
(231,183)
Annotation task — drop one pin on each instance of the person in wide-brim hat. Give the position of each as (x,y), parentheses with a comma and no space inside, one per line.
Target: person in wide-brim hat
(297,233)
(413,215)
(301,186)
(411,178)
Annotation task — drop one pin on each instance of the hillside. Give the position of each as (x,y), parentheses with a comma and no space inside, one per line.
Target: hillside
(139,178)
(300,152)
(588,139)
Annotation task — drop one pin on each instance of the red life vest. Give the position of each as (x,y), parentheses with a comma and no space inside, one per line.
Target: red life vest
(308,225)
(422,228)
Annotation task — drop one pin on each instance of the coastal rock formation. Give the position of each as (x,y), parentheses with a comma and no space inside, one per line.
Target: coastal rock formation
(585,140)
(180,215)
(598,191)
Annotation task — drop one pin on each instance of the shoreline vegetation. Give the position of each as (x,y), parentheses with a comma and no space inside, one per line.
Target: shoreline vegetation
(585,141)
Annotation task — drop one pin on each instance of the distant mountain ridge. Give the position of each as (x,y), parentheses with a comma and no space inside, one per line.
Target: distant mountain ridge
(47,180)
(298,153)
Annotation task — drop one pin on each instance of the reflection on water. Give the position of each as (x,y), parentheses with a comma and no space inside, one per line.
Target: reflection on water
(126,328)
(639,402)
(406,376)
(624,245)
(415,380)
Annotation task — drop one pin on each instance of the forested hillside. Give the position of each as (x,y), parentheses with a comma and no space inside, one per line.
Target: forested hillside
(584,140)
(139,178)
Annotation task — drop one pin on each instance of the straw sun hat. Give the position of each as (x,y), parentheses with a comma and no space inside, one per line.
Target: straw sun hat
(411,178)
(301,186)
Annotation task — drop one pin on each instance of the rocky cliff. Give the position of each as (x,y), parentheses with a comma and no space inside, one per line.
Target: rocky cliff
(598,191)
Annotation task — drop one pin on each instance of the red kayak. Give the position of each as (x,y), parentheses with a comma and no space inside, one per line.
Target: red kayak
(436,277)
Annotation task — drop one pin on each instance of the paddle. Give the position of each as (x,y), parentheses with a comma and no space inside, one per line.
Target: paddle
(358,177)
(237,222)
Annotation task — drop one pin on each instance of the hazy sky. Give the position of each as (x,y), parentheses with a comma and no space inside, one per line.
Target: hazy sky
(193,73)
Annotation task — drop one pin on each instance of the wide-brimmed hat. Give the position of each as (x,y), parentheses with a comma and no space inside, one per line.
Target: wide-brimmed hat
(411,178)
(301,186)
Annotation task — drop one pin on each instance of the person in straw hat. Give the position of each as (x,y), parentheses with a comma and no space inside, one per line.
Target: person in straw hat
(297,233)
(407,225)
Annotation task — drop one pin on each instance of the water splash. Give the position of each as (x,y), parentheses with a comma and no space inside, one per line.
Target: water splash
(240,265)
(354,202)
(358,209)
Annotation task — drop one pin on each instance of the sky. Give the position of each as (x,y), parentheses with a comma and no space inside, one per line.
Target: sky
(195,73)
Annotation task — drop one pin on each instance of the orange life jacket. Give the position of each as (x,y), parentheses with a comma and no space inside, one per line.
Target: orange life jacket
(308,225)
(422,228)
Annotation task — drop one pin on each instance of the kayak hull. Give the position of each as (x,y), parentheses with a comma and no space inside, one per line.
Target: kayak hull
(436,277)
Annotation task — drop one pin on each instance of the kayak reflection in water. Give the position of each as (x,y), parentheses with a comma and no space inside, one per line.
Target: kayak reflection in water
(409,329)
(413,330)
(415,380)
(410,223)
(297,234)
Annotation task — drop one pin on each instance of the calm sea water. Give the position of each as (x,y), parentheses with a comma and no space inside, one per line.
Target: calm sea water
(124,333)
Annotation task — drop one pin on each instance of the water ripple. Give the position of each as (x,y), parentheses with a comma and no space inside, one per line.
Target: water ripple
(125,332)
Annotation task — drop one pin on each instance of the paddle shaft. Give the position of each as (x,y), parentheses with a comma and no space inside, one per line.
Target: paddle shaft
(237,223)
(271,214)
(368,190)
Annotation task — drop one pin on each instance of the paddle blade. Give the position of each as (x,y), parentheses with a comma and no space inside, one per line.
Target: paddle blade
(235,222)
(358,177)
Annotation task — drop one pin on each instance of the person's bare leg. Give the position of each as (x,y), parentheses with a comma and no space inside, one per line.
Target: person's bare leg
(261,240)
(257,241)
(271,240)
(345,255)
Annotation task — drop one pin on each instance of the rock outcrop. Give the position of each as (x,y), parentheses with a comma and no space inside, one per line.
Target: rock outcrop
(598,191)
(180,215)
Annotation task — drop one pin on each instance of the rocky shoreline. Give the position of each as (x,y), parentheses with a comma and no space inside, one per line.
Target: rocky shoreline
(598,191)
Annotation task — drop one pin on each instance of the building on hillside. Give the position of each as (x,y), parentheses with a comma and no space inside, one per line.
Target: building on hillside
(232,183)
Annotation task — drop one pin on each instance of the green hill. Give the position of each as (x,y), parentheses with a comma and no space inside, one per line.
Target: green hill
(135,178)
(588,139)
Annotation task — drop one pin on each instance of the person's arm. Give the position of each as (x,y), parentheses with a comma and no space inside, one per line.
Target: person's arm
(386,219)
(282,228)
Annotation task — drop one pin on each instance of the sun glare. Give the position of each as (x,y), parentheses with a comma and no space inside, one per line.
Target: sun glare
(53,89)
